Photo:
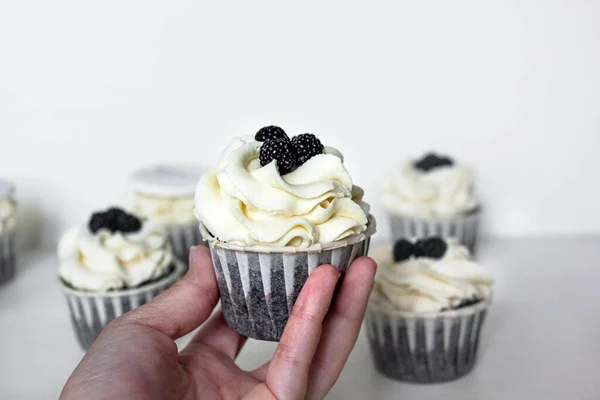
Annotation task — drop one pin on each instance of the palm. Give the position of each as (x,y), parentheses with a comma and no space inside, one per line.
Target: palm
(136,356)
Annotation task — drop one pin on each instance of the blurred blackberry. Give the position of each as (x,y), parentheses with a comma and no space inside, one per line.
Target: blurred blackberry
(433,247)
(403,249)
(431,161)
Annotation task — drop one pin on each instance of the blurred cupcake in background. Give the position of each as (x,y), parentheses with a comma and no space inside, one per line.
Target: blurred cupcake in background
(111,266)
(8,220)
(426,311)
(433,196)
(165,195)
(273,210)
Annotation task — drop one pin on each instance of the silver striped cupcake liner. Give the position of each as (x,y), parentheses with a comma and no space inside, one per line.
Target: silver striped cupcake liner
(464,228)
(258,289)
(436,347)
(183,238)
(8,256)
(91,312)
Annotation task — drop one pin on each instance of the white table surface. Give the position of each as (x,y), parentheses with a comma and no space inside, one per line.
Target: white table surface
(541,339)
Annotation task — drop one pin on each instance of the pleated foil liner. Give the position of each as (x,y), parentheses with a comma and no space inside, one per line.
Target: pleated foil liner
(8,256)
(258,289)
(91,312)
(425,349)
(183,238)
(464,228)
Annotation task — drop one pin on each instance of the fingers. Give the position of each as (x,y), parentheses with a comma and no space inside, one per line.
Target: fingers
(288,371)
(217,334)
(184,306)
(341,328)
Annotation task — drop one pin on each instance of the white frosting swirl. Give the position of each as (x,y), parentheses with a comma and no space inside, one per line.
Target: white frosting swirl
(428,285)
(245,204)
(8,214)
(105,260)
(442,192)
(164,210)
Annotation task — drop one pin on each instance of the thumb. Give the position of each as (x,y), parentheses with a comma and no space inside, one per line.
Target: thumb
(185,306)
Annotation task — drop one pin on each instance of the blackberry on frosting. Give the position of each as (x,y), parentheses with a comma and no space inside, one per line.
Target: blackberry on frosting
(431,247)
(280,150)
(306,146)
(115,220)
(431,161)
(289,154)
(270,132)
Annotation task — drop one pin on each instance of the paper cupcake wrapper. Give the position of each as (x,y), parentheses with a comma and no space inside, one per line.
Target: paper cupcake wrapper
(258,289)
(182,238)
(464,229)
(91,312)
(8,256)
(430,349)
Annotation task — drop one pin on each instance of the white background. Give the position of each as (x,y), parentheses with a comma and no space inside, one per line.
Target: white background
(91,90)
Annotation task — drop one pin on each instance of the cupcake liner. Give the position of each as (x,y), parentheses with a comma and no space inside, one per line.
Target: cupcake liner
(91,312)
(8,256)
(182,238)
(463,228)
(427,348)
(259,285)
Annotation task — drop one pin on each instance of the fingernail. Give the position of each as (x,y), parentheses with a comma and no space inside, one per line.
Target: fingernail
(193,255)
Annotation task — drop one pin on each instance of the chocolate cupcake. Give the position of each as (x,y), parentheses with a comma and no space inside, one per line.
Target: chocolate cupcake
(426,311)
(273,211)
(8,220)
(111,266)
(164,194)
(433,196)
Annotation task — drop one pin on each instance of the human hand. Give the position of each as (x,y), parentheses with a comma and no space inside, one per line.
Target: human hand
(136,357)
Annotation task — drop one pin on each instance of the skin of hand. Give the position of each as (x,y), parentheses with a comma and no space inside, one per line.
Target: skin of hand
(136,357)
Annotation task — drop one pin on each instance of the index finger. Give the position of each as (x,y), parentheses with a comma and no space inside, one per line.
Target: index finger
(288,372)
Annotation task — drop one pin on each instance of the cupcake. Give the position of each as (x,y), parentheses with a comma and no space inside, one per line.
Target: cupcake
(426,310)
(165,195)
(433,196)
(8,210)
(111,266)
(273,211)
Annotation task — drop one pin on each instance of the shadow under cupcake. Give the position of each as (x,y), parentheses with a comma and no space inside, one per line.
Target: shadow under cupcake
(426,312)
(114,265)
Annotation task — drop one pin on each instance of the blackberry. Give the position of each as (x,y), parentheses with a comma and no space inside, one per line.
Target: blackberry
(280,150)
(433,247)
(431,161)
(270,132)
(307,146)
(128,223)
(114,219)
(98,221)
(403,249)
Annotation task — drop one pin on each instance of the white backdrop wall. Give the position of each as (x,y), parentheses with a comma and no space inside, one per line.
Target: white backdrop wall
(91,90)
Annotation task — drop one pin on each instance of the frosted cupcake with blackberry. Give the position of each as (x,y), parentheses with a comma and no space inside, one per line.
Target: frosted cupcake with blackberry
(426,311)
(273,210)
(8,220)
(111,266)
(165,195)
(433,196)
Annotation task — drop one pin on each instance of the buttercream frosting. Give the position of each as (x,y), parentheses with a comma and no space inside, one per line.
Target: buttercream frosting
(442,192)
(244,203)
(429,285)
(104,261)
